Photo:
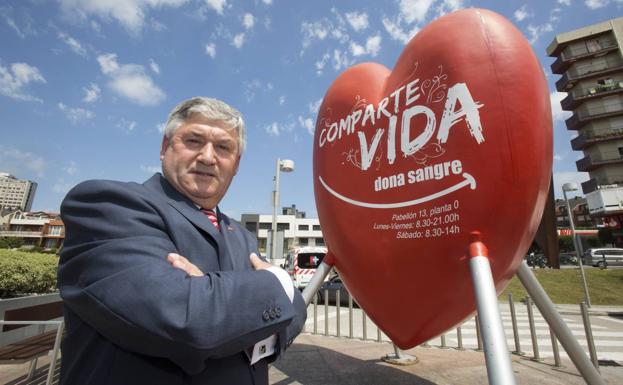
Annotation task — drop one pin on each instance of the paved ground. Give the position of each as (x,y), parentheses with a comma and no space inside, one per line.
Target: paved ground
(319,360)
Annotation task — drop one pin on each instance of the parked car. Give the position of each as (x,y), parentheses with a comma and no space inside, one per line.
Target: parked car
(603,257)
(333,285)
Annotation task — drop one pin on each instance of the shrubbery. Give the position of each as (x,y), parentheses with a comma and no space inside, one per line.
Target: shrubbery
(24,273)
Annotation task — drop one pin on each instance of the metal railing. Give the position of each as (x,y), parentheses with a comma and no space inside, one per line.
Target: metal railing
(359,324)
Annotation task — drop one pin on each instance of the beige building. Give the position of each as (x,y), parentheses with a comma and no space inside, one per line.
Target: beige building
(591,64)
(41,229)
(16,194)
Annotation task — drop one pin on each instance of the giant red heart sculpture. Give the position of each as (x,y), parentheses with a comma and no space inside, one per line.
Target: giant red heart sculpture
(457,138)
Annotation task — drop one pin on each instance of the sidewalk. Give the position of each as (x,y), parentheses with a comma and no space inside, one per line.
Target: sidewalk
(319,360)
(613,311)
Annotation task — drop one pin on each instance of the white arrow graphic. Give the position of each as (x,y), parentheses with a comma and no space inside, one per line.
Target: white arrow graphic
(468,181)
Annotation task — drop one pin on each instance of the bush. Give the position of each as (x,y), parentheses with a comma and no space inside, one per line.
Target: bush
(24,273)
(11,243)
(565,243)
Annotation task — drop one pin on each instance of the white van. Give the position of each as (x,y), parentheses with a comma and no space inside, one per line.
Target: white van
(603,257)
(301,263)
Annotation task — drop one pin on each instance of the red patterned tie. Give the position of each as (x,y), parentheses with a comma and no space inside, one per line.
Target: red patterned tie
(212,217)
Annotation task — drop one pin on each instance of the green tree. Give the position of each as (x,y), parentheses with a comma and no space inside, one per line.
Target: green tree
(565,243)
(605,236)
(11,243)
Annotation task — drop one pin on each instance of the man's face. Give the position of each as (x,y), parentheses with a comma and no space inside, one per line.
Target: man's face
(201,159)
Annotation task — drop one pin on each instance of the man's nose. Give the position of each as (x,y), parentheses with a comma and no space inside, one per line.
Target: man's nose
(207,154)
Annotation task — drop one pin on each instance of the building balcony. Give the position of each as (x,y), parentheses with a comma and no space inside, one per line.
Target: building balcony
(580,118)
(591,162)
(21,234)
(574,99)
(596,183)
(568,56)
(587,139)
(572,77)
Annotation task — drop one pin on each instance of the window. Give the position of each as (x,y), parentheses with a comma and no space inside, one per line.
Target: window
(309,260)
(283,226)
(303,241)
(265,226)
(319,241)
(303,227)
(55,230)
(316,227)
(251,226)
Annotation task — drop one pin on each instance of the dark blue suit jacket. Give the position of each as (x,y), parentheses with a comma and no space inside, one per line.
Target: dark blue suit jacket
(132,318)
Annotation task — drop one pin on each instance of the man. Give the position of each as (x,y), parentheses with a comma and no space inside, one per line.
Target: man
(138,307)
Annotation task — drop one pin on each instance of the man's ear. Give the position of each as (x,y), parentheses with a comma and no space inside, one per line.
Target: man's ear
(164,146)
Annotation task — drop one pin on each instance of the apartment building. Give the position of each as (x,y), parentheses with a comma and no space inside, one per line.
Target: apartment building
(293,229)
(39,228)
(16,194)
(590,61)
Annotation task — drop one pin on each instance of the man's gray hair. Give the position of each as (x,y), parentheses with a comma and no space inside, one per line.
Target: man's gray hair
(213,109)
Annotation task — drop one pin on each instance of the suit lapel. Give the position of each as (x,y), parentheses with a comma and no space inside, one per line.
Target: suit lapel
(188,209)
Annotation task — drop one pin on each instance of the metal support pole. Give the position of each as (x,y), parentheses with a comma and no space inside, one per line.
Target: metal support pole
(497,358)
(511,304)
(364,325)
(54,356)
(589,335)
(350,316)
(379,336)
(326,312)
(315,314)
(562,331)
(315,282)
(459,338)
(554,348)
(535,342)
(478,335)
(444,345)
(337,309)
(578,249)
(273,248)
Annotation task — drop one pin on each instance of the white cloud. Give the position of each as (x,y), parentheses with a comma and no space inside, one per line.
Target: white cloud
(558,157)
(267,2)
(565,2)
(130,81)
(521,13)
(251,88)
(356,49)
(414,10)
(26,28)
(92,93)
(238,40)
(373,45)
(273,129)
(320,64)
(73,44)
(71,168)
(129,13)
(558,114)
(316,30)
(397,32)
(18,162)
(151,169)
(13,81)
(211,50)
(248,21)
(340,60)
(537,31)
(160,127)
(359,21)
(154,66)
(282,100)
(308,124)
(594,4)
(75,115)
(314,106)
(217,5)
(563,177)
(127,125)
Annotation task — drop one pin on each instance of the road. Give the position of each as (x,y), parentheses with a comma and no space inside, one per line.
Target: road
(607,331)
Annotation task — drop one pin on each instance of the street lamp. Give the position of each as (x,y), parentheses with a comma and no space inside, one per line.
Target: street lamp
(573,187)
(284,165)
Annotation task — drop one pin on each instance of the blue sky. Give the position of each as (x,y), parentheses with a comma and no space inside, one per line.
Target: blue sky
(85,85)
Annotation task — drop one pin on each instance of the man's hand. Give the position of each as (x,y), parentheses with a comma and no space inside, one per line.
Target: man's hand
(182,263)
(257,263)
